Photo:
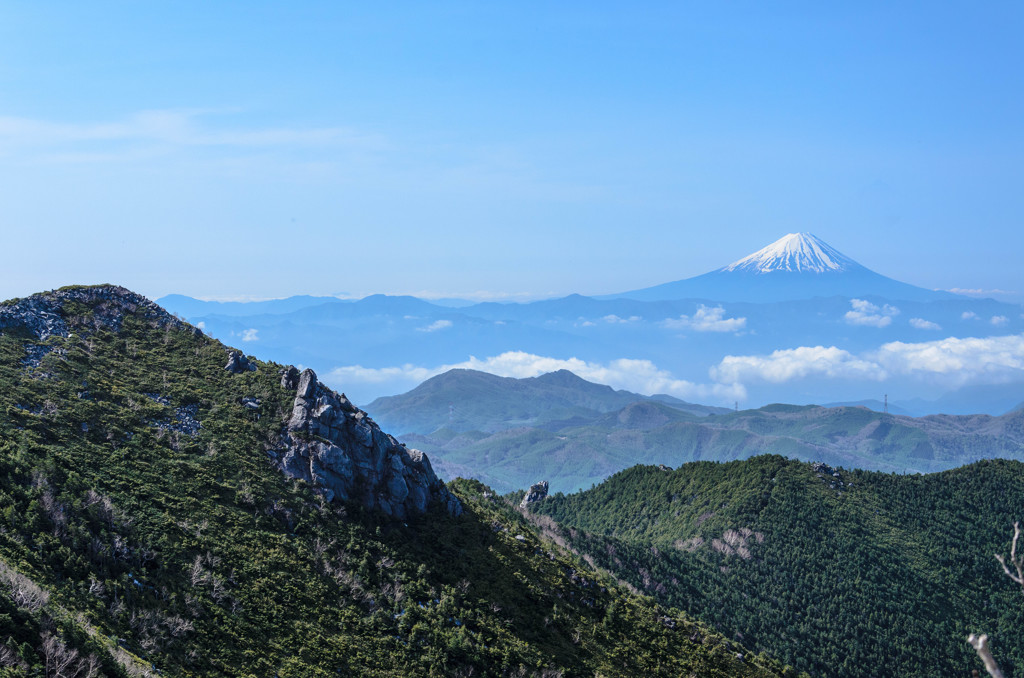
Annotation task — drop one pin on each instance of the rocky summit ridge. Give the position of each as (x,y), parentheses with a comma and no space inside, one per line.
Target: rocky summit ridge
(326,441)
(48,314)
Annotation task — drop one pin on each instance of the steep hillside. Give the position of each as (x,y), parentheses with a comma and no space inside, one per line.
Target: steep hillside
(170,506)
(846,573)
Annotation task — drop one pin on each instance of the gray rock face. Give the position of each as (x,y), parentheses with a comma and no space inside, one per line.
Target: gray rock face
(290,378)
(45,314)
(238,363)
(538,491)
(340,451)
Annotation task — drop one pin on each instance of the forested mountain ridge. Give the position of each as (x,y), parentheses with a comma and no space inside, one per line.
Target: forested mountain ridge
(839,572)
(511,432)
(145,528)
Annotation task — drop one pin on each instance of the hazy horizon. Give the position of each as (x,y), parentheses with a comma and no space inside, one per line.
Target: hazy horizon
(502,151)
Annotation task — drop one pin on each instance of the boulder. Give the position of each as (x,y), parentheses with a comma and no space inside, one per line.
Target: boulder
(238,363)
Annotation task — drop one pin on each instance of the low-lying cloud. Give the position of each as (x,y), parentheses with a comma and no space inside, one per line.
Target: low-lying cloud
(950,362)
(706,319)
(796,363)
(868,314)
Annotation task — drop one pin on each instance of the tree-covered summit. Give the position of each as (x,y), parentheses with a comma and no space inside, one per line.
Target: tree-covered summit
(836,571)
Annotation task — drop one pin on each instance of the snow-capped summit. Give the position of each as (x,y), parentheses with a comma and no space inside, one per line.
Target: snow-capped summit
(795,253)
(796,266)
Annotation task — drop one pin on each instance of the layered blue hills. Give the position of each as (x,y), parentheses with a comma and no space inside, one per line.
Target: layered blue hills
(797,293)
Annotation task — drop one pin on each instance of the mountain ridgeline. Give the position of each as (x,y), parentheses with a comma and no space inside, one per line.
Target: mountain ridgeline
(572,433)
(838,572)
(796,292)
(170,506)
(469,400)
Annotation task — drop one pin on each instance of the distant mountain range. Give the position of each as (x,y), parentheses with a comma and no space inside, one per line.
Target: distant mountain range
(510,433)
(797,294)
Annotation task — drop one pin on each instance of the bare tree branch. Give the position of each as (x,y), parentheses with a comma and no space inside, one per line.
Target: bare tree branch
(1015,560)
(980,645)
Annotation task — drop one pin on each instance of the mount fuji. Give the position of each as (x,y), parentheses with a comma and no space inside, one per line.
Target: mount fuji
(796,266)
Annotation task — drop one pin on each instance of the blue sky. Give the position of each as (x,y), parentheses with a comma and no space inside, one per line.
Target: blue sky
(502,150)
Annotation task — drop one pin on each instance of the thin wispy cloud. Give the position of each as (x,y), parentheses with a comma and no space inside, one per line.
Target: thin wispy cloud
(163,131)
(922,324)
(436,325)
(978,292)
(616,320)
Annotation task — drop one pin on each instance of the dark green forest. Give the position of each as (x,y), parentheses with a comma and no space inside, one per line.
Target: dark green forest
(837,572)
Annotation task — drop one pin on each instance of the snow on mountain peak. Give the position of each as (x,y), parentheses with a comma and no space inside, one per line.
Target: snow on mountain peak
(795,253)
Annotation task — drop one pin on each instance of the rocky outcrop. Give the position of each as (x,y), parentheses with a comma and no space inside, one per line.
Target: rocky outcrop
(333,445)
(290,378)
(238,363)
(56,313)
(538,491)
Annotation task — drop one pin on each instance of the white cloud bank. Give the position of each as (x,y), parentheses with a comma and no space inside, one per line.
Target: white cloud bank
(640,376)
(866,313)
(952,362)
(795,363)
(251,334)
(706,319)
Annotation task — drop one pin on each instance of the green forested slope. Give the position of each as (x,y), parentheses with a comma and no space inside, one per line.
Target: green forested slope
(848,573)
(141,524)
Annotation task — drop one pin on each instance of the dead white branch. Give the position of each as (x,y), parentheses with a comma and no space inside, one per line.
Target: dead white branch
(1015,560)
(980,645)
